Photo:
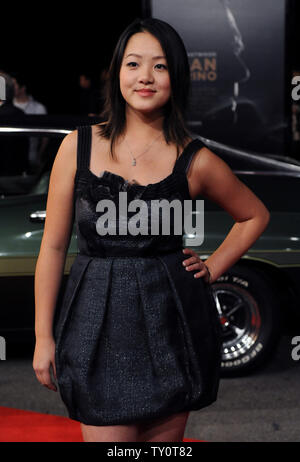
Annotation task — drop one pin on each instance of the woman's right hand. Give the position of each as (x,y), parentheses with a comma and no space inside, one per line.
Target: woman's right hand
(43,359)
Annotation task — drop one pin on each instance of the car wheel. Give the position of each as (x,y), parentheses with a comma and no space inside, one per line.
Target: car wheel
(249,312)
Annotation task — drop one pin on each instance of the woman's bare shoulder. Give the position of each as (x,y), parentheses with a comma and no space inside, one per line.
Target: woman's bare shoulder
(207,159)
(208,168)
(66,157)
(70,140)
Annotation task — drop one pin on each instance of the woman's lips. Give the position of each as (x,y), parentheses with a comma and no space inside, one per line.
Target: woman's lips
(145,92)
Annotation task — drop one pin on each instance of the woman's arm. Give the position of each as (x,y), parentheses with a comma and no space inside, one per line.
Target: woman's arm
(218,183)
(52,255)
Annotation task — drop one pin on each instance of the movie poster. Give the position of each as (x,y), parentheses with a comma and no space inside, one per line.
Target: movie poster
(236,51)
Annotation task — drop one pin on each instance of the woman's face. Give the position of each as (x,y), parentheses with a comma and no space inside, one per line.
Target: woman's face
(144,77)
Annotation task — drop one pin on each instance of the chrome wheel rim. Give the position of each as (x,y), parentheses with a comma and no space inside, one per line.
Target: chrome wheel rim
(239,317)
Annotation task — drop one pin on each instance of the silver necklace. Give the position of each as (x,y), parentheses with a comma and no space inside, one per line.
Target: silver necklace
(134,158)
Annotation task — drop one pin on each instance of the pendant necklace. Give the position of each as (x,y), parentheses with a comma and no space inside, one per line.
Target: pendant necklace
(134,158)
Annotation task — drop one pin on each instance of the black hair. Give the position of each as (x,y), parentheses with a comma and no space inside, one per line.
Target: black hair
(174,126)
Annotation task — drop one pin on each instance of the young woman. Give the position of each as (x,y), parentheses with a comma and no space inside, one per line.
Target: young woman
(136,344)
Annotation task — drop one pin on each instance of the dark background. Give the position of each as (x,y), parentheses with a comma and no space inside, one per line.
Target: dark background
(51,46)
(295,40)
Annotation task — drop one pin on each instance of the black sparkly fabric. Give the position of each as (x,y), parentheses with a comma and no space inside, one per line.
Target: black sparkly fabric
(137,336)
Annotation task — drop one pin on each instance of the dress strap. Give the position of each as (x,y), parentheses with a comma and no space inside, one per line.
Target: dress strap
(183,162)
(84,147)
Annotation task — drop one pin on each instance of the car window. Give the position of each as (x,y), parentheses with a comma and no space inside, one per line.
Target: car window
(26,161)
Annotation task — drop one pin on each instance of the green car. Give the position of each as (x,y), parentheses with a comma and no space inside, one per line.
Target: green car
(257,298)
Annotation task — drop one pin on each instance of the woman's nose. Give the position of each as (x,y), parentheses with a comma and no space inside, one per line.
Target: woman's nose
(146,75)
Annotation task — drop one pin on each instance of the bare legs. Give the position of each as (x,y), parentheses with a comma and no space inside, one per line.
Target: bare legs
(169,428)
(115,433)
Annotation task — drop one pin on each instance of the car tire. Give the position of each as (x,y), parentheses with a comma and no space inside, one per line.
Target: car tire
(250,316)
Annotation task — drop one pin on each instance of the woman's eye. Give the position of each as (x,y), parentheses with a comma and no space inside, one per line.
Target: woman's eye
(132,64)
(161,66)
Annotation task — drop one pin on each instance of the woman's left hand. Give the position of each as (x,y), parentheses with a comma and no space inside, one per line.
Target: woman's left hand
(194,263)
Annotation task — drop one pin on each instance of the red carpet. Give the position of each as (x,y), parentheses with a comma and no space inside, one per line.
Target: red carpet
(27,426)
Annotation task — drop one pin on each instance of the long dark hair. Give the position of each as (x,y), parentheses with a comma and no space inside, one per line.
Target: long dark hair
(174,125)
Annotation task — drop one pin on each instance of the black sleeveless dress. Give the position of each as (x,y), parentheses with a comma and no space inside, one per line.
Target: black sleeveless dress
(137,336)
